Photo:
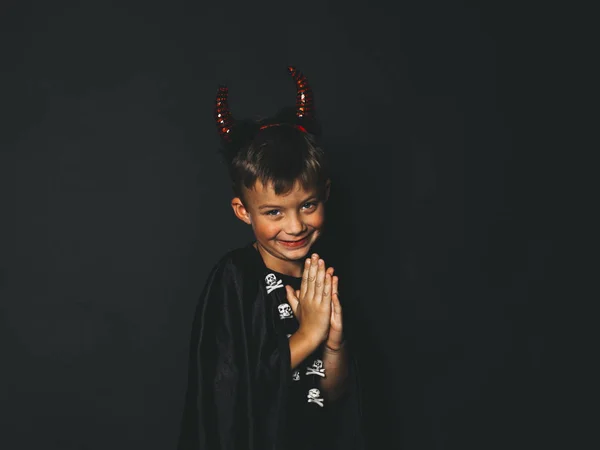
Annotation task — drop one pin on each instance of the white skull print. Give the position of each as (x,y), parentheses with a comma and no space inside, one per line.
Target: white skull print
(314,396)
(285,311)
(316,369)
(272,283)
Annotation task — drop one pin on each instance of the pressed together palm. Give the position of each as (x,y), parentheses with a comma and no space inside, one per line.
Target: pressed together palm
(316,304)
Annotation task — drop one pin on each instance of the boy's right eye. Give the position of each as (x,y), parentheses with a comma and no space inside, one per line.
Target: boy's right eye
(272,212)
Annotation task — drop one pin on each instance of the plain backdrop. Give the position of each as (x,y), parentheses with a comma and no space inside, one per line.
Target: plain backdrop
(115,205)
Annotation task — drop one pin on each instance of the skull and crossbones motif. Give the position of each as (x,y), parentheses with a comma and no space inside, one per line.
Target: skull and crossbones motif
(272,283)
(316,369)
(296,375)
(285,311)
(314,396)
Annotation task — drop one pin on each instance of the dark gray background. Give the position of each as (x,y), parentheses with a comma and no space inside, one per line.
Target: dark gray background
(114,207)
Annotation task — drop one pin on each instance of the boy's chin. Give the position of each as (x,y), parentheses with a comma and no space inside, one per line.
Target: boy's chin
(300,255)
(296,254)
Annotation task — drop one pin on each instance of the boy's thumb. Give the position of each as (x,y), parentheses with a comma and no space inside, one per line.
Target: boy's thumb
(291,297)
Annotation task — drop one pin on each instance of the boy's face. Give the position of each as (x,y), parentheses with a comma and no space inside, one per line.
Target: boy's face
(285,226)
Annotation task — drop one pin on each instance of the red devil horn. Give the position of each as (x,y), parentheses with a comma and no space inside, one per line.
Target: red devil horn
(223,115)
(304,95)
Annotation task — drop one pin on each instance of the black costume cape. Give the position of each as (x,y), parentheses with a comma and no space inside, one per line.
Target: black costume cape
(239,368)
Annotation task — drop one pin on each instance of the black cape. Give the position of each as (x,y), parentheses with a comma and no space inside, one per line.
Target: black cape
(240,374)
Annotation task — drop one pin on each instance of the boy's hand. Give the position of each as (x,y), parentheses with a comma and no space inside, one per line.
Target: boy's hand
(335,339)
(312,304)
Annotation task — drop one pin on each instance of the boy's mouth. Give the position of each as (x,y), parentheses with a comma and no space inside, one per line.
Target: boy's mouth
(294,244)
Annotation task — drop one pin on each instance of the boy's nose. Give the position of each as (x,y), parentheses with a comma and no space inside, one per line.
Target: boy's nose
(294,226)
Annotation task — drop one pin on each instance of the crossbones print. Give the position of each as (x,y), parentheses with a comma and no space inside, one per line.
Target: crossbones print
(314,396)
(272,283)
(316,369)
(296,375)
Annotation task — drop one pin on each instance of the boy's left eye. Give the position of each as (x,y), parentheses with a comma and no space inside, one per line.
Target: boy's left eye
(277,212)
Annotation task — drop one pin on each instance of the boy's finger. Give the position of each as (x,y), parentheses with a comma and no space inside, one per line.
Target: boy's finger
(320,281)
(304,283)
(312,275)
(334,287)
(291,294)
(291,298)
(327,288)
(335,303)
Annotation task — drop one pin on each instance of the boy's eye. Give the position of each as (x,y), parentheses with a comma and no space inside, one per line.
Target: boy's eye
(272,212)
(309,205)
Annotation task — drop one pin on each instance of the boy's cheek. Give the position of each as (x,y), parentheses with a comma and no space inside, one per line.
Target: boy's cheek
(265,229)
(318,221)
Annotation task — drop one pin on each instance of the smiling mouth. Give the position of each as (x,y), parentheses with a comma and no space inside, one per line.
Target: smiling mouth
(298,243)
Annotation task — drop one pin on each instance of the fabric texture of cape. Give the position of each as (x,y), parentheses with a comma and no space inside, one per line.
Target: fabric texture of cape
(239,370)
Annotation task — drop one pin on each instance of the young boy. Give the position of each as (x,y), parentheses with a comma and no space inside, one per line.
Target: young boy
(269,368)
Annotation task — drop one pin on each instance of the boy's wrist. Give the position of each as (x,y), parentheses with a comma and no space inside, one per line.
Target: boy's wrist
(310,338)
(302,344)
(335,346)
(335,341)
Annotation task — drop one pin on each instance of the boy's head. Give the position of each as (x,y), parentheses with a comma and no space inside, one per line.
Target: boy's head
(279,175)
(280,183)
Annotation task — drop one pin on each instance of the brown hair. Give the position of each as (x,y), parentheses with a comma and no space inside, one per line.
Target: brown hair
(280,155)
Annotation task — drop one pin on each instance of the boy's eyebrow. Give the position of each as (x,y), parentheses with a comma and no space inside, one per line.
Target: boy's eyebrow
(312,197)
(268,206)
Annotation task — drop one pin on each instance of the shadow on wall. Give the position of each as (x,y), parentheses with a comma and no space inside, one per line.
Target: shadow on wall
(355,221)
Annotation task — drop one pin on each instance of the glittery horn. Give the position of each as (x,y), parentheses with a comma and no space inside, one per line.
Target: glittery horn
(223,115)
(304,95)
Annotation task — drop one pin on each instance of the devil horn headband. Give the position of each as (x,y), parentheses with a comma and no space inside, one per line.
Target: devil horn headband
(304,95)
(223,115)
(304,105)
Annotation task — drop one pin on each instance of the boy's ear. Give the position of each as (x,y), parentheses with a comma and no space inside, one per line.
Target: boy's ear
(240,210)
